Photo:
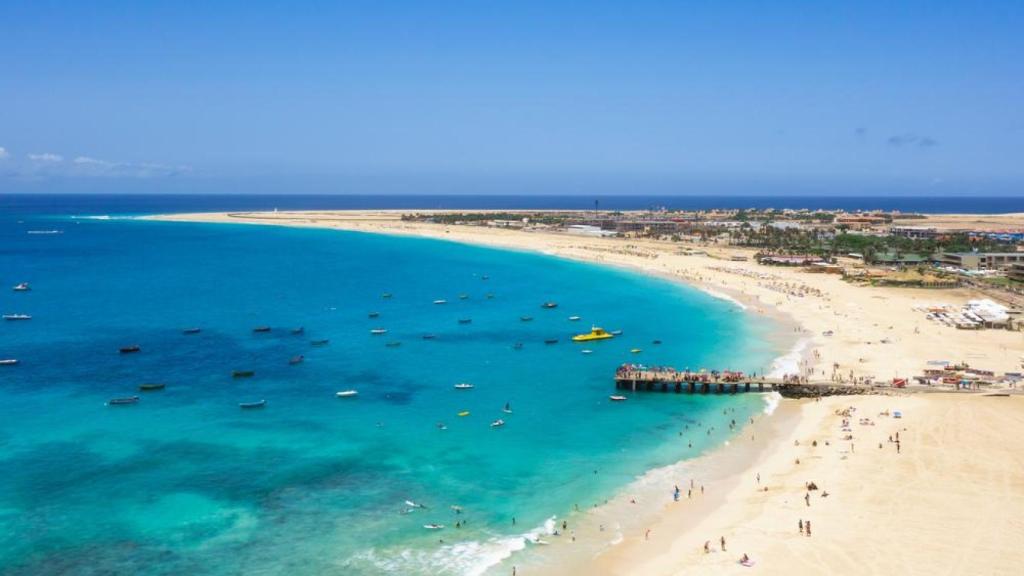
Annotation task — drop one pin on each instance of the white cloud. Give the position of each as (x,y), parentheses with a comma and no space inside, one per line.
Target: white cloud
(3,153)
(45,157)
(87,161)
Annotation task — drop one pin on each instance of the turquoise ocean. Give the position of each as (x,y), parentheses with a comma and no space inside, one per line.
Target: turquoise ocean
(187,482)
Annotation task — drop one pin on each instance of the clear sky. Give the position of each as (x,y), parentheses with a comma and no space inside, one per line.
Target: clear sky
(513,97)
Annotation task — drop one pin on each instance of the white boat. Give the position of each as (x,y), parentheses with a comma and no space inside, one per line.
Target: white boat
(507,409)
(463,386)
(17,317)
(498,422)
(433,526)
(586,351)
(23,287)
(442,301)
(378,331)
(574,318)
(45,231)
(412,504)
(616,332)
(8,362)
(347,393)
(617,398)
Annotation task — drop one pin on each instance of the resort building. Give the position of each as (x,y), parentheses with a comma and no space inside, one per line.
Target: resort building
(981,260)
(915,232)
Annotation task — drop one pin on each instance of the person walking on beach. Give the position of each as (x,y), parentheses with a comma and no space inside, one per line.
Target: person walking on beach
(722,541)
(800,523)
(808,525)
(807,499)
(707,546)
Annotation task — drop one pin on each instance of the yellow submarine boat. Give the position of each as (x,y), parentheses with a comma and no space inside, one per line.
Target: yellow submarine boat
(594,334)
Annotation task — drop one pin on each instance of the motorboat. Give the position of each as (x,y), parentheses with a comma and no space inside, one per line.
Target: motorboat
(440,301)
(464,413)
(151,387)
(378,331)
(617,398)
(465,320)
(249,405)
(296,359)
(319,342)
(299,330)
(123,401)
(22,287)
(497,423)
(594,334)
(191,331)
(433,526)
(574,318)
(261,329)
(429,336)
(386,295)
(9,362)
(551,341)
(463,386)
(587,351)
(549,305)
(616,332)
(129,349)
(463,296)
(17,317)
(243,373)
(393,344)
(655,342)
(347,394)
(636,351)
(373,315)
(525,318)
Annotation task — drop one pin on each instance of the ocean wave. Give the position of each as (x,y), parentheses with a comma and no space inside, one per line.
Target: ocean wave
(771,402)
(788,363)
(471,558)
(721,296)
(103,217)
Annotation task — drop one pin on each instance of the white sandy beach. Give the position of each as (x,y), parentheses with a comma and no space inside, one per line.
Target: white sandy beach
(952,500)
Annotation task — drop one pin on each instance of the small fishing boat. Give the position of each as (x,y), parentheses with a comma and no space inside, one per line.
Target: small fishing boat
(386,295)
(655,342)
(549,305)
(525,318)
(617,398)
(429,336)
(485,277)
(442,426)
(497,423)
(319,342)
(412,504)
(465,320)
(243,373)
(433,526)
(574,318)
(151,387)
(378,331)
(299,330)
(347,394)
(393,344)
(489,295)
(191,331)
(588,351)
(9,362)
(463,296)
(23,287)
(463,386)
(507,409)
(123,401)
(249,405)
(441,301)
(517,346)
(45,231)
(261,329)
(464,413)
(635,351)
(129,349)
(551,341)
(373,315)
(17,317)
(296,359)
(616,332)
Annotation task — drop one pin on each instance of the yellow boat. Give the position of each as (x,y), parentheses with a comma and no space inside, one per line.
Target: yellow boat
(464,413)
(595,334)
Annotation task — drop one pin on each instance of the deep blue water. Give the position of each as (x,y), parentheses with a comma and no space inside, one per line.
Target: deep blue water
(153,203)
(187,482)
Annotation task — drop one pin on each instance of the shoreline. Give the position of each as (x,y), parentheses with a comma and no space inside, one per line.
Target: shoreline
(736,507)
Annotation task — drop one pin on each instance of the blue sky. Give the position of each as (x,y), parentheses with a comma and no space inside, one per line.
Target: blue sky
(513,97)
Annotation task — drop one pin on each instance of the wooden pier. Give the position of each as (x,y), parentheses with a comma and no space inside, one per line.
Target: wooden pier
(684,382)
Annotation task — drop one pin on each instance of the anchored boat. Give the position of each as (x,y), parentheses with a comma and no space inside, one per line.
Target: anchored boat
(152,387)
(249,405)
(594,334)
